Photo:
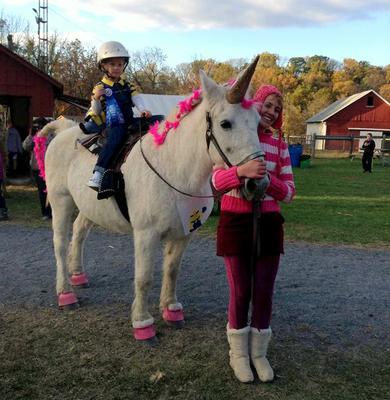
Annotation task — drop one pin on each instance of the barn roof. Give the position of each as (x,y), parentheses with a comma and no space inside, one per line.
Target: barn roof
(339,105)
(9,53)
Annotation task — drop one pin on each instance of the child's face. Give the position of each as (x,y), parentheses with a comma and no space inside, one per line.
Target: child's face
(114,67)
(270,110)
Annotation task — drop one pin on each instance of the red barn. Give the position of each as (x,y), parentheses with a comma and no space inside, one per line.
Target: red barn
(25,90)
(357,115)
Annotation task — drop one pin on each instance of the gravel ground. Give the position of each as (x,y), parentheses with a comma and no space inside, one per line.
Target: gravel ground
(337,293)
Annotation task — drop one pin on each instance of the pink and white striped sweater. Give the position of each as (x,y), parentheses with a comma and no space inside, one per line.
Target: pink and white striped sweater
(281,187)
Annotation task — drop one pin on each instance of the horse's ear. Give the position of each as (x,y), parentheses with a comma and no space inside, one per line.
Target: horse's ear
(210,90)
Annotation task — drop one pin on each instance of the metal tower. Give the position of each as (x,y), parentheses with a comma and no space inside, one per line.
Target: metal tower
(42,19)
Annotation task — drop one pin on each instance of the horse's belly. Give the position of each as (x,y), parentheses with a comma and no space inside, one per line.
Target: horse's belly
(104,213)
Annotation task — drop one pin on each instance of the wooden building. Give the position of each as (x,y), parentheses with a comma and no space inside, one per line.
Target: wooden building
(25,90)
(357,115)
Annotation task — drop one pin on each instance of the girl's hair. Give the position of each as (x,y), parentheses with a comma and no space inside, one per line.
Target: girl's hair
(259,97)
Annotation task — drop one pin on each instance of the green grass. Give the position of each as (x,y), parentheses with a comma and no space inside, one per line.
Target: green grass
(337,203)
(23,206)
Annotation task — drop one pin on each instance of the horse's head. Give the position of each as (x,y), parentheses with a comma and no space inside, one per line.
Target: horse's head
(234,124)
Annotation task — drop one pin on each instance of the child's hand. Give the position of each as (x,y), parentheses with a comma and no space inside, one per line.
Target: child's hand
(255,169)
(146,114)
(99,92)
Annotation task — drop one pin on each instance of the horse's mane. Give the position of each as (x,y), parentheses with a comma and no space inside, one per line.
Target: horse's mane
(160,131)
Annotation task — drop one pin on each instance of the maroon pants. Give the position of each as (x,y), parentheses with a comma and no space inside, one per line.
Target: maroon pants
(241,278)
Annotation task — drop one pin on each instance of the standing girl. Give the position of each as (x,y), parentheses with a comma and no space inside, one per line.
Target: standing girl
(252,283)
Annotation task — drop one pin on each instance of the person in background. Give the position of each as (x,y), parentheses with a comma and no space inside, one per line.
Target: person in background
(250,274)
(14,144)
(28,145)
(368,148)
(3,206)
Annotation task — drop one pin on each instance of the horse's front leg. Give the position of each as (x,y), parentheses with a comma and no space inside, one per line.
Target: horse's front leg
(145,243)
(172,310)
(81,228)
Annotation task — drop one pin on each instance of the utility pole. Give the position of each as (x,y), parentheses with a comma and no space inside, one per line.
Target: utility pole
(42,20)
(3,24)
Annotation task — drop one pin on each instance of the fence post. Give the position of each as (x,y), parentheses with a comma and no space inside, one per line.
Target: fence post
(313,145)
(351,146)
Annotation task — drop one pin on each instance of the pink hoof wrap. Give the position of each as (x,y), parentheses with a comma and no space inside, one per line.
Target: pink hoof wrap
(173,316)
(79,279)
(67,298)
(145,333)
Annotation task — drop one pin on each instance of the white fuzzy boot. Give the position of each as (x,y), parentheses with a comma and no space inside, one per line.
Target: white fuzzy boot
(259,340)
(239,353)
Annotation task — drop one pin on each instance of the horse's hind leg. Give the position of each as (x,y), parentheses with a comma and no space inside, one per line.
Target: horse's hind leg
(143,323)
(62,209)
(172,310)
(81,228)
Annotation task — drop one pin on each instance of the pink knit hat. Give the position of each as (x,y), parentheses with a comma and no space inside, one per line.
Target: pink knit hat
(262,93)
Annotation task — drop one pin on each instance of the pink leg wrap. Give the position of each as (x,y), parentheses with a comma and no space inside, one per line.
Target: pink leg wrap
(173,316)
(79,279)
(67,298)
(145,333)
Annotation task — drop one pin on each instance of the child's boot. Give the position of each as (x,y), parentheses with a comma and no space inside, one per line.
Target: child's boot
(239,357)
(259,340)
(3,214)
(96,180)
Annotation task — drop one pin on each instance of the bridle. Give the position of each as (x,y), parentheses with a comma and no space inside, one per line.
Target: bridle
(210,138)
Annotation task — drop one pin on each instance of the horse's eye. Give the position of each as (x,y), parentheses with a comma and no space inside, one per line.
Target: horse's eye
(225,124)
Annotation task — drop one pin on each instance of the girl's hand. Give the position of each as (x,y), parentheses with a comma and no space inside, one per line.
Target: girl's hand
(255,169)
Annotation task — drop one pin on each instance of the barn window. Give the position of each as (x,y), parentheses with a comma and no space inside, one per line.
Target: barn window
(370,101)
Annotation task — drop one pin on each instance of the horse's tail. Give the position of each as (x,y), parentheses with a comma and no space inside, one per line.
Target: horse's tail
(40,140)
(56,126)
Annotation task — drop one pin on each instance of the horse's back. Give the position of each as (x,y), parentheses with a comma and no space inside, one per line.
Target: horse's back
(68,168)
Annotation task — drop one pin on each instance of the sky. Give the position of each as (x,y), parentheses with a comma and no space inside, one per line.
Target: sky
(223,30)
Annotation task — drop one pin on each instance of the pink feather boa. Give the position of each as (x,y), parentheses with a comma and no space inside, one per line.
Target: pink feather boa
(39,152)
(185,107)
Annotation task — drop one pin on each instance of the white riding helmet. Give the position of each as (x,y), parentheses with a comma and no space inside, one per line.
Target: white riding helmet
(110,50)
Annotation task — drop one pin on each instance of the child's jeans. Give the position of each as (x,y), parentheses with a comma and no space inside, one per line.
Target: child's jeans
(91,127)
(116,136)
(240,277)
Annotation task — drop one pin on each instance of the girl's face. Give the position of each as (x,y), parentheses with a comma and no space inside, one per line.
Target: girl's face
(270,110)
(114,67)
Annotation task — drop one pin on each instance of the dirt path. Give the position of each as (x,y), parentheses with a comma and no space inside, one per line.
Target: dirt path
(340,293)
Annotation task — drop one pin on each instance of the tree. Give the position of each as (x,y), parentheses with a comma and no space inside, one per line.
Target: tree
(147,69)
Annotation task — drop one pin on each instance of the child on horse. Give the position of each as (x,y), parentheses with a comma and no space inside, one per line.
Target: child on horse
(251,277)
(111,106)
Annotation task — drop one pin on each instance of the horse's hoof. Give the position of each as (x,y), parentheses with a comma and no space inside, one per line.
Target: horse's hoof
(79,280)
(176,324)
(174,318)
(146,334)
(67,301)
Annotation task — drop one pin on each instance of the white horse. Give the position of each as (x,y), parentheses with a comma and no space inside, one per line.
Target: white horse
(185,159)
